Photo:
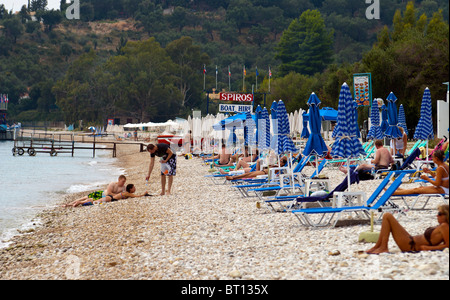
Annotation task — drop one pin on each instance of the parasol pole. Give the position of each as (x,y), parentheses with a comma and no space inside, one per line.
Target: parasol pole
(348,174)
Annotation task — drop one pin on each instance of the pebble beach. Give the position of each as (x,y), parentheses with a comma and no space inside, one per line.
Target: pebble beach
(206,231)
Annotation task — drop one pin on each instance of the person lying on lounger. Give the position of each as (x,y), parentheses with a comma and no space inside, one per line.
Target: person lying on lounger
(383,159)
(243,163)
(224,158)
(129,193)
(439,181)
(254,174)
(434,238)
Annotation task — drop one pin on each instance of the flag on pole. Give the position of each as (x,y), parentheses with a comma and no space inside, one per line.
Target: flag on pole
(270,76)
(229,78)
(217,73)
(257,73)
(243,78)
(204,77)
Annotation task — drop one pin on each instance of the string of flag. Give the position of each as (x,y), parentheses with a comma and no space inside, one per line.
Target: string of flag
(4,98)
(244,74)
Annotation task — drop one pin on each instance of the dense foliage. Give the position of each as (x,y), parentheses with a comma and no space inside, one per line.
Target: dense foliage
(145,58)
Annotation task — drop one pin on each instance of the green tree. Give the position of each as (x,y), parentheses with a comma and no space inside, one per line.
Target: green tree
(144,75)
(306,46)
(13,28)
(258,34)
(413,59)
(188,59)
(66,50)
(38,5)
(51,18)
(76,93)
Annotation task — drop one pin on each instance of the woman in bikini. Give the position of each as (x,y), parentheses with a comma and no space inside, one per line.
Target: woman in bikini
(434,238)
(439,183)
(130,190)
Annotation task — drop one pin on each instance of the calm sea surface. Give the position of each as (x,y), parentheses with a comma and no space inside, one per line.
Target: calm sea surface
(32,184)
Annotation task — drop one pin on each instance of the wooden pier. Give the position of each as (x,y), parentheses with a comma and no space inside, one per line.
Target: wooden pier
(58,143)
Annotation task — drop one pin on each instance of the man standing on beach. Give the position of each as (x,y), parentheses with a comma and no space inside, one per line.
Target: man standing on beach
(168,162)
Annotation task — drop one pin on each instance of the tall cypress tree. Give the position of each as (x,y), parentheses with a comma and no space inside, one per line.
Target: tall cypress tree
(306,46)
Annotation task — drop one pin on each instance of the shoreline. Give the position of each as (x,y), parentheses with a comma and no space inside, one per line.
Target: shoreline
(202,232)
(52,198)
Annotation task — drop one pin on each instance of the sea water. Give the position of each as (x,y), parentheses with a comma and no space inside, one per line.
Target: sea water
(31,184)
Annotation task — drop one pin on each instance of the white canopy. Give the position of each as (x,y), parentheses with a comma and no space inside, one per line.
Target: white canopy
(151,125)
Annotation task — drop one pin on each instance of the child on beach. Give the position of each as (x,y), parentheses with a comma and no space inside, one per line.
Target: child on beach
(129,193)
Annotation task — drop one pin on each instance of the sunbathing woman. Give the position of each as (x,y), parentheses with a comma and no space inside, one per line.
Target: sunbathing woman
(130,190)
(434,238)
(440,182)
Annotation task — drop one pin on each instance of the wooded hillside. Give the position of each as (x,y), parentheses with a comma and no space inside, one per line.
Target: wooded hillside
(146,58)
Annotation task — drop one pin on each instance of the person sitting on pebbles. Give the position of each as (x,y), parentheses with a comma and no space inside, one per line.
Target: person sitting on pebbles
(129,193)
(434,238)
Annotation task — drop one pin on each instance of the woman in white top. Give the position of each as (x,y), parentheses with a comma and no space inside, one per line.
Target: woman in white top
(398,145)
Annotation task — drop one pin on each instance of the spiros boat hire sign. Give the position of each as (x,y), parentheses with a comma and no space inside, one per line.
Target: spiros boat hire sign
(235,97)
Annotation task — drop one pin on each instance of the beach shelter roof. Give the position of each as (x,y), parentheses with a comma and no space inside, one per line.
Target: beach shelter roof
(326,114)
(233,121)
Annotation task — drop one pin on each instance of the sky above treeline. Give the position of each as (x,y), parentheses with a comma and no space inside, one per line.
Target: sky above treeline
(16,5)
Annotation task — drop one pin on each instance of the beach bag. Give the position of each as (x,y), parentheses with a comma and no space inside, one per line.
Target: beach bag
(165,168)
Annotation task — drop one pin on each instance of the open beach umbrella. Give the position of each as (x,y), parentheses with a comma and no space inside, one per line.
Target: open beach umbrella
(285,143)
(402,119)
(315,145)
(375,129)
(393,130)
(424,129)
(347,144)
(384,118)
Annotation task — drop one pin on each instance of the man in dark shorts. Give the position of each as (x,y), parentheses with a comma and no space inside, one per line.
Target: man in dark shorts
(168,163)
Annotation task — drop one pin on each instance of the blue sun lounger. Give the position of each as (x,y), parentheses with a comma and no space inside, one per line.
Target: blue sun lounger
(374,203)
(244,186)
(295,200)
(291,185)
